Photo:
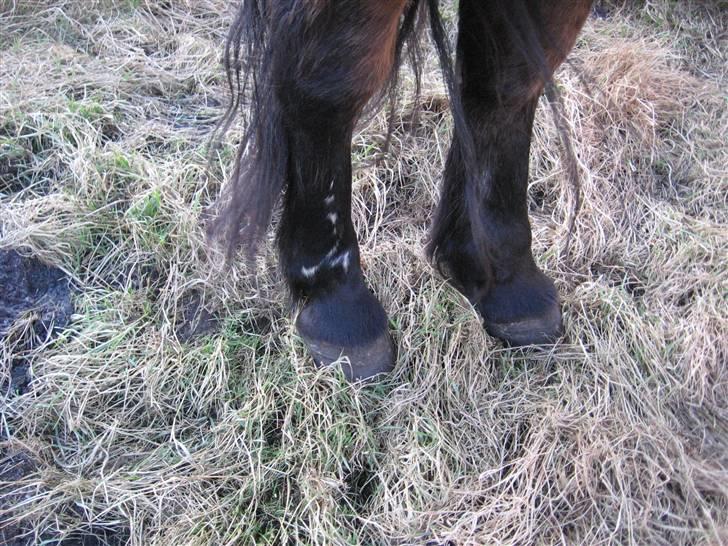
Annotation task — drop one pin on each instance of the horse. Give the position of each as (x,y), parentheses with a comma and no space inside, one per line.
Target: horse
(304,71)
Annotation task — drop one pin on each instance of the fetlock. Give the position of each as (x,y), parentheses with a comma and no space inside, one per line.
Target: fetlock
(339,319)
(518,303)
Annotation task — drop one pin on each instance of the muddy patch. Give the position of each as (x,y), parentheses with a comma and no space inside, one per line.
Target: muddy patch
(13,158)
(35,304)
(30,285)
(195,318)
(31,290)
(28,160)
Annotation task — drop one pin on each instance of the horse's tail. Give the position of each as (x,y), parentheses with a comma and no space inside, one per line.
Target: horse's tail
(246,202)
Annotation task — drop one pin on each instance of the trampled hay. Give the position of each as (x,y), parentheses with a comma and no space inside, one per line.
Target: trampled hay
(145,425)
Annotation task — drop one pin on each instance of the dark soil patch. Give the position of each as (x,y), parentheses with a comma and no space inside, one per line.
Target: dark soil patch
(195,318)
(13,158)
(27,159)
(28,284)
(19,375)
(621,276)
(602,10)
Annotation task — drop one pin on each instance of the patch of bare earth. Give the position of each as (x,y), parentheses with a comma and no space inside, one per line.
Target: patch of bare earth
(178,406)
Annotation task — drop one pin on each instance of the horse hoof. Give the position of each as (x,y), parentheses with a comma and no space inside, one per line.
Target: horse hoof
(358,362)
(348,327)
(525,310)
(542,330)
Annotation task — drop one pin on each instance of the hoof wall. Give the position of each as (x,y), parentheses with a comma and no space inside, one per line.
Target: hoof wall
(348,326)
(525,310)
(358,362)
(541,330)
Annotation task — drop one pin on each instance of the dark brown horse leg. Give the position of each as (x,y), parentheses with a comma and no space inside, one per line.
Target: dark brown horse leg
(333,57)
(499,87)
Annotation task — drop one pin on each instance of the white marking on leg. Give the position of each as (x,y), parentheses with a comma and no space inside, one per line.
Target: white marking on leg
(332,216)
(346,261)
(331,260)
(331,186)
(309,272)
(342,260)
(329,200)
(333,251)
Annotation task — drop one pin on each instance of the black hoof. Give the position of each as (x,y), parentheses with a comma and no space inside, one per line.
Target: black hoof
(524,310)
(348,326)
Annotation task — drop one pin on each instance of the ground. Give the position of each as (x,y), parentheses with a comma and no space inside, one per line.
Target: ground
(178,406)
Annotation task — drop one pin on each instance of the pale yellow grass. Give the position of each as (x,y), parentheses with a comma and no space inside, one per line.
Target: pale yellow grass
(618,435)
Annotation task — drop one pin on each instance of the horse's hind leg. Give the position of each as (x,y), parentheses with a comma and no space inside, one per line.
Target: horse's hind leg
(499,88)
(332,57)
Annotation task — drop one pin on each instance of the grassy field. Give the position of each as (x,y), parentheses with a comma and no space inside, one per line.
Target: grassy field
(178,406)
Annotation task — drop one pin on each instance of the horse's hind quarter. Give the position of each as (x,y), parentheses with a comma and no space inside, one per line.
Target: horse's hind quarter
(380,27)
(369,30)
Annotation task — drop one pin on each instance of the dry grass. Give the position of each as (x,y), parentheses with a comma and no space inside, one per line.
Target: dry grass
(619,435)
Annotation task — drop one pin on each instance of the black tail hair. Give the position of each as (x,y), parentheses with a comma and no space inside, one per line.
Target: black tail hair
(259,175)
